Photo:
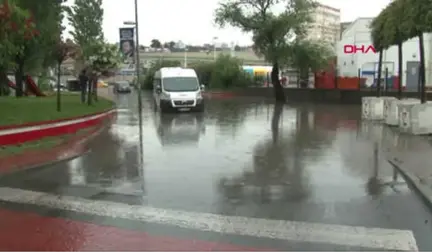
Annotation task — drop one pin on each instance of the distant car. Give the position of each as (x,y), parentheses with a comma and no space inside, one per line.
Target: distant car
(122,87)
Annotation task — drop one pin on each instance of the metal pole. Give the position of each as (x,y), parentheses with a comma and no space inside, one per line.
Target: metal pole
(137,68)
(137,63)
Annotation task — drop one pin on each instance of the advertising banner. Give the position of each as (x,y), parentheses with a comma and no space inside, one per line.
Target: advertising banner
(127,45)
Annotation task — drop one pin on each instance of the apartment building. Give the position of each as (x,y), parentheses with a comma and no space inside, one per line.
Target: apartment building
(326,25)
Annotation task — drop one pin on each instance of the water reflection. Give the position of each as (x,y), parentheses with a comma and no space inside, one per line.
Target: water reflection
(379,140)
(179,129)
(277,172)
(229,115)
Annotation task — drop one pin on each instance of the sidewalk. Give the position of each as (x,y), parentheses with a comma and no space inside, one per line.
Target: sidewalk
(412,155)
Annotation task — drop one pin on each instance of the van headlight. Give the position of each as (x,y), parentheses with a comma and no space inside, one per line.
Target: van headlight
(165,96)
(199,96)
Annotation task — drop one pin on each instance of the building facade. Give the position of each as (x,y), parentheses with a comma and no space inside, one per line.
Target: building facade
(358,35)
(326,25)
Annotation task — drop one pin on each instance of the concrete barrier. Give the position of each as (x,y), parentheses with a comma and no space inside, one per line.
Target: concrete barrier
(415,119)
(18,134)
(391,116)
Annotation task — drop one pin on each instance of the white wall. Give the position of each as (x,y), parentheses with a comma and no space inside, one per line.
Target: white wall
(359,34)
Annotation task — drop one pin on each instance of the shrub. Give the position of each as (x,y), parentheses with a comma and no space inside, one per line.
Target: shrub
(147,80)
(225,72)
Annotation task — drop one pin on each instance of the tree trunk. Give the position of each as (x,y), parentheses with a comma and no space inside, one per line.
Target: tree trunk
(278,89)
(422,76)
(89,91)
(3,83)
(19,78)
(379,73)
(277,113)
(58,87)
(95,87)
(400,56)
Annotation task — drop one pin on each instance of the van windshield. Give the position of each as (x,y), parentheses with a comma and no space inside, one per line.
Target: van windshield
(180,84)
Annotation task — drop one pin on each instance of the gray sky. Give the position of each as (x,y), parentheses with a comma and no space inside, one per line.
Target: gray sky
(191,21)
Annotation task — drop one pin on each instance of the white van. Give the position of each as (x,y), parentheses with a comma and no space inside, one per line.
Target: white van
(176,88)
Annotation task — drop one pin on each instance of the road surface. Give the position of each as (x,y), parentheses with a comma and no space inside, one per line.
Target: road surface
(242,176)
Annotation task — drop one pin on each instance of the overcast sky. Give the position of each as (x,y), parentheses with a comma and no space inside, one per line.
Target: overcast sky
(191,21)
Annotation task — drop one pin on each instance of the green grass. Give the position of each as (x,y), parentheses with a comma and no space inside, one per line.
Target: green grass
(42,144)
(33,109)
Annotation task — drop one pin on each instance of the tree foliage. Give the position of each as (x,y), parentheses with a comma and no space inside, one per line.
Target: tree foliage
(86,18)
(155,43)
(15,24)
(401,20)
(309,55)
(272,33)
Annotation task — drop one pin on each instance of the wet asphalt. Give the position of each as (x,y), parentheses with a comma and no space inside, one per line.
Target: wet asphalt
(241,157)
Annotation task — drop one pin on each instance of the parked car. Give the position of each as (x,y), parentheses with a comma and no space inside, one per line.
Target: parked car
(122,87)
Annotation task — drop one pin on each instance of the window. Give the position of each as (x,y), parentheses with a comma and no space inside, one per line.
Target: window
(180,84)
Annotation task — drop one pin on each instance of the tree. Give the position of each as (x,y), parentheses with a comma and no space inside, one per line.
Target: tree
(155,43)
(400,21)
(86,18)
(62,51)
(307,55)
(271,32)
(15,23)
(44,14)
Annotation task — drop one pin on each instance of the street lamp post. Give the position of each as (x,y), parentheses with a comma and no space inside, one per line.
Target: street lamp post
(137,69)
(137,63)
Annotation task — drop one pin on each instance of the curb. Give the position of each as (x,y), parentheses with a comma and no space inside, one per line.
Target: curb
(78,143)
(422,190)
(13,136)
(31,124)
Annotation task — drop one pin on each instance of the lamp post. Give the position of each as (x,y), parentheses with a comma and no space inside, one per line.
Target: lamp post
(137,63)
(137,69)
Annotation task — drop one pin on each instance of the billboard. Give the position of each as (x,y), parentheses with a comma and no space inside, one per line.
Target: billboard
(127,45)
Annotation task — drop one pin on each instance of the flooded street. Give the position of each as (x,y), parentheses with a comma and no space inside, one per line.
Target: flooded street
(315,166)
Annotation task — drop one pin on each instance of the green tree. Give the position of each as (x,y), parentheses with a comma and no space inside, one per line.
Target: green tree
(14,23)
(86,17)
(155,43)
(272,32)
(398,22)
(35,45)
(308,55)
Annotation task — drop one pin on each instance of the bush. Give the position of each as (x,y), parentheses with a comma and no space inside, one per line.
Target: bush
(147,80)
(224,73)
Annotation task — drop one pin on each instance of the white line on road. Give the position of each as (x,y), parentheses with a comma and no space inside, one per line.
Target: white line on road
(375,238)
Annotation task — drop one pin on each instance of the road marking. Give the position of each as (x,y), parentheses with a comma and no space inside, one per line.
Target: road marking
(375,238)
(53,125)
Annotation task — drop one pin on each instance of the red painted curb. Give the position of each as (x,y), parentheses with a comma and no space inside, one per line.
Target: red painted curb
(24,125)
(48,130)
(21,231)
(74,147)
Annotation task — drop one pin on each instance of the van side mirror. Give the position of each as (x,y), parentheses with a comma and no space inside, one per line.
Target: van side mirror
(202,87)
